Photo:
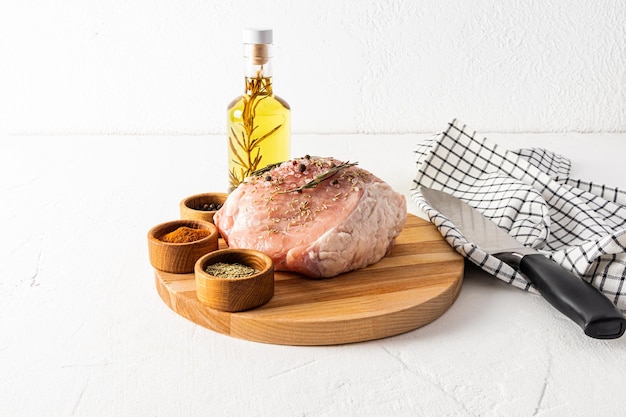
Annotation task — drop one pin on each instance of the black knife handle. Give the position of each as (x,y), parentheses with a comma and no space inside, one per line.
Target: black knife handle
(574,297)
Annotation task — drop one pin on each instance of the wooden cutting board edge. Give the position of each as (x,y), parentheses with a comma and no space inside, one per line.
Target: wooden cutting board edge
(332,319)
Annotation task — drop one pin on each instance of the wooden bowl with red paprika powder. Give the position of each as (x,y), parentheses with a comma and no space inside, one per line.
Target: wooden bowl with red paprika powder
(175,246)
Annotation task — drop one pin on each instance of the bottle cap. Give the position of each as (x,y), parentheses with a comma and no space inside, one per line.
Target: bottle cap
(258,36)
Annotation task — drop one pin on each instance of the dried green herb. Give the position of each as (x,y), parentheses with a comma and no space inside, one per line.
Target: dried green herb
(226,270)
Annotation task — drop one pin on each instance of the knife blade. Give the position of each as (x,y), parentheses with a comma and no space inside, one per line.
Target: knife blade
(580,301)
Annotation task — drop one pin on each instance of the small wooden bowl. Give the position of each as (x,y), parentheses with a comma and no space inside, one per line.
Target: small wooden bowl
(190,207)
(235,294)
(179,258)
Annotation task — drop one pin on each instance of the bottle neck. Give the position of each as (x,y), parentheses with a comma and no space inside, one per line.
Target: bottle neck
(258,69)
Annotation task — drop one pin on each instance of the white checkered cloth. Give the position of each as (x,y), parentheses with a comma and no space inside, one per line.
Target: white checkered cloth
(580,225)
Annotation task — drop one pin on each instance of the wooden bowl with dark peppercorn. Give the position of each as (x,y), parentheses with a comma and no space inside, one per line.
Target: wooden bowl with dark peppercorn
(202,206)
(175,246)
(234,279)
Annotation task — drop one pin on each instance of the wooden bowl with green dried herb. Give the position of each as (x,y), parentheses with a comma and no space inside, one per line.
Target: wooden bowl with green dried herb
(202,206)
(234,279)
(175,246)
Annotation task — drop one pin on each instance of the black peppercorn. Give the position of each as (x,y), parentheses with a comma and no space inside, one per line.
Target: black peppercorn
(210,207)
(268,178)
(302,168)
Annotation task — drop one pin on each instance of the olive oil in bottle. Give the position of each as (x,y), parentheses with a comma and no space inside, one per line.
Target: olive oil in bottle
(258,122)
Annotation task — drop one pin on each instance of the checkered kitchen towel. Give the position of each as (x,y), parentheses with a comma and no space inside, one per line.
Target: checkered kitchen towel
(580,225)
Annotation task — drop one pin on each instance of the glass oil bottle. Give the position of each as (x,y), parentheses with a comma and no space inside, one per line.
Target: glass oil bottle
(258,122)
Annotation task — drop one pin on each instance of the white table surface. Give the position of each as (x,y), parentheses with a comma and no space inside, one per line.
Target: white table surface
(84,333)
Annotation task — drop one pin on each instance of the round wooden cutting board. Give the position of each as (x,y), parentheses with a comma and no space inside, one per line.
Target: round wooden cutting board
(412,286)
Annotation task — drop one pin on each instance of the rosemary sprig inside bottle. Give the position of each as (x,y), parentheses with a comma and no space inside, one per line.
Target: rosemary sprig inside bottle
(320,178)
(245,140)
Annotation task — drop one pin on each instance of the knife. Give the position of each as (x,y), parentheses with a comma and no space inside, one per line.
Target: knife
(571,295)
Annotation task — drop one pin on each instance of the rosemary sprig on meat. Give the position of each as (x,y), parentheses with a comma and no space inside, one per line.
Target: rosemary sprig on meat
(320,178)
(265,169)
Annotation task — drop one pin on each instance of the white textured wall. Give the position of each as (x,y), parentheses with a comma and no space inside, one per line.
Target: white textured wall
(155,66)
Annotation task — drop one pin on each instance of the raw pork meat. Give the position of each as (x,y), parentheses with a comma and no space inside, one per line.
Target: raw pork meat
(317,216)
